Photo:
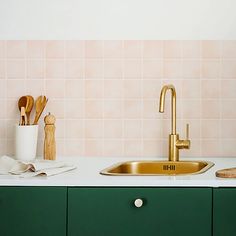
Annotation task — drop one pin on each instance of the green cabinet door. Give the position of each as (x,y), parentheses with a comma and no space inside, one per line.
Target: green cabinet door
(38,211)
(165,212)
(224,212)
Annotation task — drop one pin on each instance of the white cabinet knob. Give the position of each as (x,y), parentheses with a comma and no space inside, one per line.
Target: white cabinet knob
(138,202)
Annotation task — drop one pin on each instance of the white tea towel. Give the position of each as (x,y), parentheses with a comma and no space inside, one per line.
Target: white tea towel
(9,165)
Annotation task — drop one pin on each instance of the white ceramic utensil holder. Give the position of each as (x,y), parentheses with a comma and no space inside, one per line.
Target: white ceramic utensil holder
(26,137)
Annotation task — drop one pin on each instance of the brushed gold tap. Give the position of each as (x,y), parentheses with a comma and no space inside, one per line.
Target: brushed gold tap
(174,142)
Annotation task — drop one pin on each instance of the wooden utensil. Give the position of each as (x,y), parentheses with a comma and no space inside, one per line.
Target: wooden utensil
(22,102)
(23,117)
(226,173)
(40,104)
(29,107)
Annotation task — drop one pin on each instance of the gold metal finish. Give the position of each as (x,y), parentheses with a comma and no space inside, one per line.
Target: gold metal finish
(174,142)
(131,168)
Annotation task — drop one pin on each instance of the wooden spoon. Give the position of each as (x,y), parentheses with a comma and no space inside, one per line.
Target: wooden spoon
(22,102)
(40,104)
(29,107)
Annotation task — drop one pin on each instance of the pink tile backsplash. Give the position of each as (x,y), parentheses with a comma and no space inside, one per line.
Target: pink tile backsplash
(105,94)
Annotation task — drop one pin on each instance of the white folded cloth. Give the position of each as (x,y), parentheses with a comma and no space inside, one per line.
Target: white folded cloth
(9,165)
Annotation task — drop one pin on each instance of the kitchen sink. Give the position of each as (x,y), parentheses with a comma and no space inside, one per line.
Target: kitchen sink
(131,168)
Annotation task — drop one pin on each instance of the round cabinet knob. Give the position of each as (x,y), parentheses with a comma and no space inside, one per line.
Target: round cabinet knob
(138,202)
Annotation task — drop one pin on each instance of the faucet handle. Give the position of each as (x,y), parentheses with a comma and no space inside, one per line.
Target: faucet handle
(187,131)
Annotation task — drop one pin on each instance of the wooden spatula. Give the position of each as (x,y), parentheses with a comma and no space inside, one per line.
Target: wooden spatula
(29,107)
(39,107)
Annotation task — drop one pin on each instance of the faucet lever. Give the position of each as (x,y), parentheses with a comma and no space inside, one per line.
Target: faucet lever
(187,131)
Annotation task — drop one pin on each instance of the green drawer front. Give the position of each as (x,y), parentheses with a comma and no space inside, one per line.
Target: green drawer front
(166,212)
(224,212)
(38,211)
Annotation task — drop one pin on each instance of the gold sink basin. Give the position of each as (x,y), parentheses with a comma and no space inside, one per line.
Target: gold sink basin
(158,168)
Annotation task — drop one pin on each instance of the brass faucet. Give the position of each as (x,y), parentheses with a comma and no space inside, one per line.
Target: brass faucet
(174,142)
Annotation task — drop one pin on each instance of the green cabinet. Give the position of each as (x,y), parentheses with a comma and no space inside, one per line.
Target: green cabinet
(165,211)
(34,211)
(224,211)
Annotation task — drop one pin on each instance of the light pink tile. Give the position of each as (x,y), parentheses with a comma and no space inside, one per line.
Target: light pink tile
(229,68)
(191,49)
(132,148)
(132,109)
(75,68)
(113,88)
(228,147)
(151,88)
(74,129)
(153,68)
(93,148)
(132,89)
(2,49)
(210,89)
(35,69)
(228,129)
(93,128)
(74,109)
(191,89)
(151,109)
(93,89)
(35,87)
(132,69)
(113,128)
(228,89)
(55,69)
(152,148)
(36,48)
(191,69)
(74,88)
(132,129)
(94,48)
(229,49)
(113,68)
(10,151)
(93,68)
(93,109)
(3,86)
(211,49)
(2,69)
(113,49)
(210,129)
(56,107)
(16,49)
(173,69)
(4,114)
(210,69)
(132,49)
(113,148)
(153,49)
(55,49)
(172,49)
(60,128)
(12,109)
(228,110)
(167,111)
(75,48)
(166,129)
(210,109)
(74,147)
(210,148)
(152,129)
(191,109)
(15,88)
(113,109)
(16,69)
(55,88)
(60,151)
(3,144)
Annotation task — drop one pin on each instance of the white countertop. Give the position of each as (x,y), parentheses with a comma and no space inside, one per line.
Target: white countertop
(87,174)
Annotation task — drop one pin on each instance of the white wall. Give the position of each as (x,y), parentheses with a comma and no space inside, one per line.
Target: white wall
(117,19)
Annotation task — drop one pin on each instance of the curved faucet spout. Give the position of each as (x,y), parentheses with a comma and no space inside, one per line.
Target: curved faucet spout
(173,105)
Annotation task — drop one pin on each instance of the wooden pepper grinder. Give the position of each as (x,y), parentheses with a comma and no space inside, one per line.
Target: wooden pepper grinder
(49,139)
